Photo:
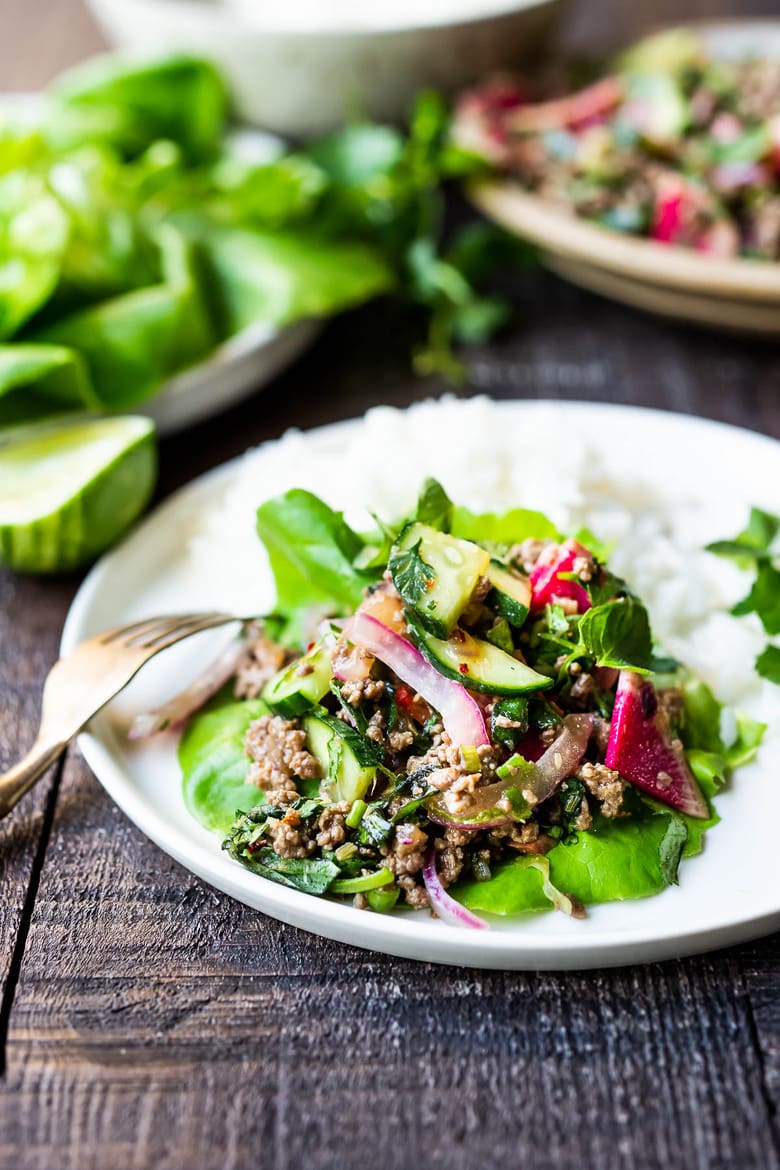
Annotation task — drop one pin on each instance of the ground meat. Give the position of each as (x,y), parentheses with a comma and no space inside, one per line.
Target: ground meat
(672,702)
(515,836)
(263,659)
(414,894)
(549,735)
(368,690)
(289,836)
(398,740)
(277,749)
(605,784)
(584,818)
(450,855)
(407,851)
(376,727)
(331,825)
(526,555)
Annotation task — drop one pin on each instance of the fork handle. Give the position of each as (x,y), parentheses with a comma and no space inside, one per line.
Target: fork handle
(22,776)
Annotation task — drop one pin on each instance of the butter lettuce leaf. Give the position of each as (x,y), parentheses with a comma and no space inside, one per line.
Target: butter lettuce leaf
(214,764)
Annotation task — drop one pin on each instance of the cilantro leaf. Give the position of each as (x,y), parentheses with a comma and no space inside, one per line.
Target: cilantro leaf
(618,634)
(412,576)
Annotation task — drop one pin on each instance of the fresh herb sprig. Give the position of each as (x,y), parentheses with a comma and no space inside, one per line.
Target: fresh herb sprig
(757,547)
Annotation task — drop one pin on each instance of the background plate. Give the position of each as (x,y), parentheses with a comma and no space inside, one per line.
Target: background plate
(728,894)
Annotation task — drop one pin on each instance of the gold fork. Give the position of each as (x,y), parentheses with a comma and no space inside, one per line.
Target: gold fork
(78,686)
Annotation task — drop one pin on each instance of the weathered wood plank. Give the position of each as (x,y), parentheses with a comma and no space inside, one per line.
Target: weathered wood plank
(159,1023)
(31,613)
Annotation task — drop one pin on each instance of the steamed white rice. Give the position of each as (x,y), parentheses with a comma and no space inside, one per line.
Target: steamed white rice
(657,507)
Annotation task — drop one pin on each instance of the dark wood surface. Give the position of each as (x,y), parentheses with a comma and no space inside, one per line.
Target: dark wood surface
(148,1021)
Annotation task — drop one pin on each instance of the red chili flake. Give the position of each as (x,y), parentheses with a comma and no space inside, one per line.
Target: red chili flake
(404,695)
(458,636)
(463,668)
(310,647)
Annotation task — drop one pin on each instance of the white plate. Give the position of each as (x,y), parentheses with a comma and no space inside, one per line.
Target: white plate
(240,366)
(728,894)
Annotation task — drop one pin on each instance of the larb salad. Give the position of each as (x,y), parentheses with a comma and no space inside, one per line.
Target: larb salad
(462,712)
(675,145)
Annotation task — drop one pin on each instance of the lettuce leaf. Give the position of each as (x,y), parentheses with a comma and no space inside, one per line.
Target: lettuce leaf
(214,764)
(312,551)
(510,527)
(40,381)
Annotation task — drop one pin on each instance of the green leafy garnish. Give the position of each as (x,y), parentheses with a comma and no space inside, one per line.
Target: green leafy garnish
(412,576)
(434,507)
(670,849)
(757,547)
(617,634)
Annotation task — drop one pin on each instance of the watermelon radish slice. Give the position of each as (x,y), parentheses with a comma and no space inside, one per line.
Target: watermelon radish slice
(642,750)
(546,585)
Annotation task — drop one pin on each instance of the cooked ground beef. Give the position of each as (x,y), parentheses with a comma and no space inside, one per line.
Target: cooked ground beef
(331,825)
(515,836)
(600,734)
(581,690)
(405,858)
(365,690)
(526,554)
(289,836)
(277,749)
(672,702)
(605,784)
(263,659)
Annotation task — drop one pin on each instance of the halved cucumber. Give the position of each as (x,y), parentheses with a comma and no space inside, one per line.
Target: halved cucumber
(348,761)
(476,664)
(456,566)
(301,685)
(510,594)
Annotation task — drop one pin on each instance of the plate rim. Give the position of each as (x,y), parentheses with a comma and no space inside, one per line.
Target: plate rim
(501,949)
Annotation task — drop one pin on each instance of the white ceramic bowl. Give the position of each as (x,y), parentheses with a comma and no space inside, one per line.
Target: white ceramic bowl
(300,68)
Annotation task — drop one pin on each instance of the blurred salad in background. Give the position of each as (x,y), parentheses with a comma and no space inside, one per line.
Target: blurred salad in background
(138,231)
(674,144)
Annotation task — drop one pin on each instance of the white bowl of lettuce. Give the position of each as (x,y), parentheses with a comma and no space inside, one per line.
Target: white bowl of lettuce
(152,259)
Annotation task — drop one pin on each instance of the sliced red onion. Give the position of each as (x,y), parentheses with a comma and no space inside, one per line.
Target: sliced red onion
(178,709)
(445,906)
(561,758)
(461,715)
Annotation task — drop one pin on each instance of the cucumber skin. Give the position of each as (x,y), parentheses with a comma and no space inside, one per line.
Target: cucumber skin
(419,636)
(507,606)
(430,621)
(297,702)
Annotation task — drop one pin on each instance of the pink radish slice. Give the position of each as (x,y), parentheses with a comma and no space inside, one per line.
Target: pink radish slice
(172,714)
(642,750)
(461,715)
(445,906)
(546,585)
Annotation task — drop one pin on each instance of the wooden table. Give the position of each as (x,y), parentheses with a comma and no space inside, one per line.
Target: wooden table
(148,1021)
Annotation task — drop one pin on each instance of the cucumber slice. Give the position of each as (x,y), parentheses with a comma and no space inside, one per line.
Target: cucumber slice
(440,589)
(476,664)
(510,595)
(348,760)
(70,489)
(301,685)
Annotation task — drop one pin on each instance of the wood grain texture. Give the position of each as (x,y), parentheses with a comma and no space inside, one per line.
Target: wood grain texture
(159,1023)
(152,1022)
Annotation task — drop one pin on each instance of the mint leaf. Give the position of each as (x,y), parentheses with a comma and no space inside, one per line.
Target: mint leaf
(670,849)
(768,664)
(434,507)
(618,634)
(412,576)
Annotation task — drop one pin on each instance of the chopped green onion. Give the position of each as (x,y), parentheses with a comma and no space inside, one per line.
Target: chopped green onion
(355,814)
(471,760)
(383,899)
(358,885)
(345,851)
(515,768)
